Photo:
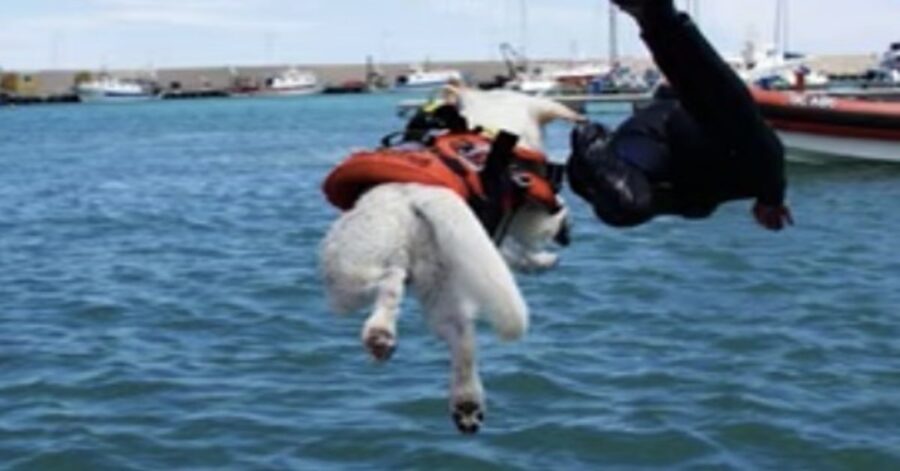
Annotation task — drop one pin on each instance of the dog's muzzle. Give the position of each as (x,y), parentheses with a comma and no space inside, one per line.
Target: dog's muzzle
(563,237)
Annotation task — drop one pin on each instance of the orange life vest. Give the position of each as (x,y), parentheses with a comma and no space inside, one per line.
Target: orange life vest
(452,160)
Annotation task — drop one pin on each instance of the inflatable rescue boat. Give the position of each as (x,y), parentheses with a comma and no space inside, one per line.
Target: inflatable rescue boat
(822,127)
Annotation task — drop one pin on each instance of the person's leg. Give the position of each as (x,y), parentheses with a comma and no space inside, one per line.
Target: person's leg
(713,94)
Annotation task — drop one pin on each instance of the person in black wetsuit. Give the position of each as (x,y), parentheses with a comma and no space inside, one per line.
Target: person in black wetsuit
(699,143)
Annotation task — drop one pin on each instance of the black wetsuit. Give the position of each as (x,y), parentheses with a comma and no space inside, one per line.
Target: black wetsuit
(685,153)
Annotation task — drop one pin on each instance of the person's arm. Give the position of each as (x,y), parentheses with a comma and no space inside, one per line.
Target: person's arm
(715,96)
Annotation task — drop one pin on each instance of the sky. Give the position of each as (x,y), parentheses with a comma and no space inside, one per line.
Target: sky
(94,34)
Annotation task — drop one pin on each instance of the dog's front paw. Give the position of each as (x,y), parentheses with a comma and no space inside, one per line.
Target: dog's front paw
(380,343)
(468,416)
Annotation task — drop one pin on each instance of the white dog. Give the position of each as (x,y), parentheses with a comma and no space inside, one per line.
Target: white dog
(427,238)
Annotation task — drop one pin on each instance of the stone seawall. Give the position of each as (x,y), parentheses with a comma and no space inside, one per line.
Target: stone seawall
(59,82)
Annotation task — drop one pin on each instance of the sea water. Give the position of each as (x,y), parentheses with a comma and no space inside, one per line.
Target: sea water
(160,308)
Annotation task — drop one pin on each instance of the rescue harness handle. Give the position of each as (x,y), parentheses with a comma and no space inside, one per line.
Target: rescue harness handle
(495,181)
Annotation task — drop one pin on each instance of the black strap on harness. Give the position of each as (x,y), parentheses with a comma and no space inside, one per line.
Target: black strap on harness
(444,118)
(495,181)
(556,175)
(420,127)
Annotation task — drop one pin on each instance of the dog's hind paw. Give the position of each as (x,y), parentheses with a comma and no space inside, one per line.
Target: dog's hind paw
(380,343)
(468,417)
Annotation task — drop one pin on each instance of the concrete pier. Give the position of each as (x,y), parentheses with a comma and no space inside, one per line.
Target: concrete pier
(57,82)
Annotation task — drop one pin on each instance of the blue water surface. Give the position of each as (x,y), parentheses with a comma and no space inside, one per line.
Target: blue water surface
(161,309)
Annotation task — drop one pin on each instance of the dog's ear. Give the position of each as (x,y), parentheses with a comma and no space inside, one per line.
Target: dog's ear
(549,110)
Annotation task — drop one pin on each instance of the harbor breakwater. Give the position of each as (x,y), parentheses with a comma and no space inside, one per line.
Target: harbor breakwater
(60,82)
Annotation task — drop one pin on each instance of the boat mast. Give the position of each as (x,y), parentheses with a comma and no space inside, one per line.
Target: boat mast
(523,27)
(785,19)
(781,27)
(613,35)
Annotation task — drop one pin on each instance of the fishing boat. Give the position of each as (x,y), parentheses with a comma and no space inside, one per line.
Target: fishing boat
(550,79)
(891,59)
(346,87)
(291,82)
(109,89)
(770,67)
(623,80)
(533,83)
(888,70)
(775,65)
(815,126)
(420,78)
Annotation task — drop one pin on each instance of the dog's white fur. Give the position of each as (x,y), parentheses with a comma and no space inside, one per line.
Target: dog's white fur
(426,237)
(510,111)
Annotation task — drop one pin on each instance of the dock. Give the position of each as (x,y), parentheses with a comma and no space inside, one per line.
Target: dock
(874,93)
(194,94)
(576,102)
(18,100)
(581,102)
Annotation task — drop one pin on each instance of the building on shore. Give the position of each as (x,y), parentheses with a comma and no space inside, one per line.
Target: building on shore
(20,84)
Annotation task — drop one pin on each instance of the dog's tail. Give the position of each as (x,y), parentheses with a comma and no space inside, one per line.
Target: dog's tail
(475,268)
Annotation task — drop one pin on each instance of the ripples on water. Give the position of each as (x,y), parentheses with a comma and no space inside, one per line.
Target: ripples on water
(161,309)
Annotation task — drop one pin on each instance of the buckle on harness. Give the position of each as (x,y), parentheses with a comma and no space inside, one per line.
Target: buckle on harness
(521,179)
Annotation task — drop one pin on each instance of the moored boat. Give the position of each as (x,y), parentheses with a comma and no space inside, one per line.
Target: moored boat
(821,127)
(891,59)
(291,82)
(551,79)
(347,87)
(422,79)
(108,89)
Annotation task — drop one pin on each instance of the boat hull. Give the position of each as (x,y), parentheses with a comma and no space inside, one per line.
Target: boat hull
(820,127)
(101,97)
(421,87)
(425,81)
(806,147)
(288,92)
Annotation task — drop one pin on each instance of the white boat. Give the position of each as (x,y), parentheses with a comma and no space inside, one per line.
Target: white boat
(771,67)
(551,79)
(891,59)
(624,80)
(291,82)
(109,89)
(888,71)
(581,73)
(534,83)
(419,78)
